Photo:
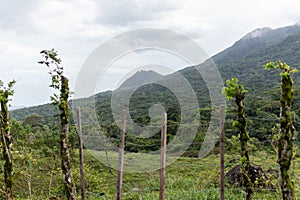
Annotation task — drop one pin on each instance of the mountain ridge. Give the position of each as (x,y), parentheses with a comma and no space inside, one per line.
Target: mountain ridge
(244,60)
(141,77)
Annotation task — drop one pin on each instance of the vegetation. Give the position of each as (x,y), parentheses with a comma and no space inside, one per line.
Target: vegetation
(36,140)
(6,138)
(287,129)
(237,91)
(187,178)
(62,83)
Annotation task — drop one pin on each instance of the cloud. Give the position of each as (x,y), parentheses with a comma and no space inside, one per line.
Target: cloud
(76,27)
(14,14)
(126,12)
(62,18)
(291,7)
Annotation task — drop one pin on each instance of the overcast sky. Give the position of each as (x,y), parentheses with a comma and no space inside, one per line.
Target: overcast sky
(76,27)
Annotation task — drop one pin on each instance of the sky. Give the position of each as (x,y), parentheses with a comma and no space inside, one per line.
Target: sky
(75,28)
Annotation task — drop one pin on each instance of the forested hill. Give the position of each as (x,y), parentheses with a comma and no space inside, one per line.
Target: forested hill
(243,60)
(140,78)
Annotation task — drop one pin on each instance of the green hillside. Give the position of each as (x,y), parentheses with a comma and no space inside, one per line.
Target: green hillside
(243,60)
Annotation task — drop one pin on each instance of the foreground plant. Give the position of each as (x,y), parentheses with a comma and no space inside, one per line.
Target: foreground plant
(286,136)
(237,91)
(61,83)
(6,138)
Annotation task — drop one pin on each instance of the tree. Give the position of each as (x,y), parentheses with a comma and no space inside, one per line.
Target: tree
(237,91)
(286,131)
(6,138)
(61,83)
(35,121)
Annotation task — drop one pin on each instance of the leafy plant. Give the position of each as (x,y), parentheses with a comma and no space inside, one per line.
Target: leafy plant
(286,134)
(6,138)
(61,83)
(237,91)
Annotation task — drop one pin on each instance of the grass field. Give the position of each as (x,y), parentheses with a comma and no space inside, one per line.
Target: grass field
(186,178)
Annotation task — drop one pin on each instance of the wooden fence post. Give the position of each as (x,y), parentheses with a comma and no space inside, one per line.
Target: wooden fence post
(163,157)
(121,156)
(81,160)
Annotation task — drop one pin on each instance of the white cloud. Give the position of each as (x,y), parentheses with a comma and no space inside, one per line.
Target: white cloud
(62,18)
(14,14)
(126,12)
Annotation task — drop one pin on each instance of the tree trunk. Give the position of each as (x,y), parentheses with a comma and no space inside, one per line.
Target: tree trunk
(244,138)
(64,134)
(286,135)
(7,147)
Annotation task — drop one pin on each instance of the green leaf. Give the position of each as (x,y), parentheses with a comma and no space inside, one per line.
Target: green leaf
(269,66)
(293,71)
(235,123)
(284,75)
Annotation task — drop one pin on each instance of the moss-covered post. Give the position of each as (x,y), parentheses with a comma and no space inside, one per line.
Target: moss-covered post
(62,83)
(64,138)
(237,91)
(5,93)
(287,130)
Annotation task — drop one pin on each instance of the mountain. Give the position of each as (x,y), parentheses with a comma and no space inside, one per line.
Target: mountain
(257,40)
(244,60)
(14,107)
(141,78)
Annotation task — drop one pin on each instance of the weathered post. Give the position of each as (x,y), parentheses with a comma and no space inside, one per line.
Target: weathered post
(81,159)
(121,156)
(163,157)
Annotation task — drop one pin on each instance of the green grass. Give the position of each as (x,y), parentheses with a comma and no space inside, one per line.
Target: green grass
(186,178)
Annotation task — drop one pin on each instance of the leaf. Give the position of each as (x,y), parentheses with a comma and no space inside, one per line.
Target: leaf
(235,123)
(284,74)
(293,71)
(269,66)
